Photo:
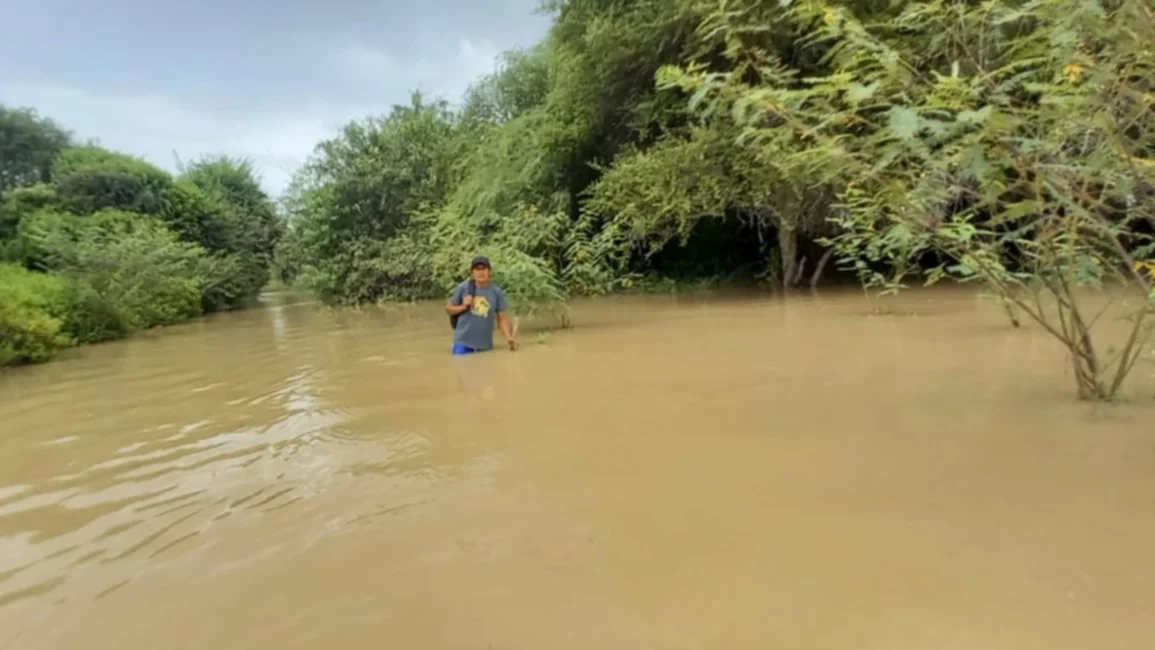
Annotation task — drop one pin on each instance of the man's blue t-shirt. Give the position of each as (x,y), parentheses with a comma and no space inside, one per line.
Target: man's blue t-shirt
(475,326)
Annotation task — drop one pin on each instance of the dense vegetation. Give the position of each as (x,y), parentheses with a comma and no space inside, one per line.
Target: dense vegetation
(1007,142)
(95,245)
(1010,143)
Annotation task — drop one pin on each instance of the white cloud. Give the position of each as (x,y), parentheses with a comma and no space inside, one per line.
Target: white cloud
(376,71)
(160,128)
(361,64)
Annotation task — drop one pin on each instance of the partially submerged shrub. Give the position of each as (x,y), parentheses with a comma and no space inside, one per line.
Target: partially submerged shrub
(30,323)
(1015,140)
(125,272)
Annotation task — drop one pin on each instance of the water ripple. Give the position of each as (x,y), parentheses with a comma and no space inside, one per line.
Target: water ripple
(137,455)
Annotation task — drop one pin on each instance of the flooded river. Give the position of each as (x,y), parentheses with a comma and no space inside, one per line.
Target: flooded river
(727,472)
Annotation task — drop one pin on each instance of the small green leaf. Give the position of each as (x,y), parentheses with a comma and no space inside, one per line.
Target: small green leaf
(738,111)
(978,167)
(1018,210)
(935,127)
(903,122)
(858,93)
(698,97)
(975,117)
(1027,145)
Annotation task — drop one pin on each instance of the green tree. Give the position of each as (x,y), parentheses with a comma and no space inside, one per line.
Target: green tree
(244,228)
(115,244)
(1012,140)
(518,85)
(561,113)
(28,145)
(19,204)
(357,207)
(89,179)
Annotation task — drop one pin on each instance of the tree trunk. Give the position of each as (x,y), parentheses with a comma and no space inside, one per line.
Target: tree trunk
(788,244)
(799,272)
(821,266)
(1088,370)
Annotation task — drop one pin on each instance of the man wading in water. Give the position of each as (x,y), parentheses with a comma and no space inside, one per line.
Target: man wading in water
(474,307)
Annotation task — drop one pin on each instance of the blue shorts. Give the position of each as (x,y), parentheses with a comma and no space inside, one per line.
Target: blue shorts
(461,349)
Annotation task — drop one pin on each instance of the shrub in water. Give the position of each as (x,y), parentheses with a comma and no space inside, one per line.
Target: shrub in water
(30,328)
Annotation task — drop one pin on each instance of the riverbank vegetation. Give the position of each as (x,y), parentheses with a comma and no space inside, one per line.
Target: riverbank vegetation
(96,245)
(1007,143)
(675,142)
(999,142)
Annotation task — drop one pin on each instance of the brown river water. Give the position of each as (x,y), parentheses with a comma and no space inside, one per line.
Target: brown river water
(697,472)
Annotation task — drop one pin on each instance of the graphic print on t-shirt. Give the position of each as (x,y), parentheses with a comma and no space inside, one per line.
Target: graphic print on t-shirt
(480,306)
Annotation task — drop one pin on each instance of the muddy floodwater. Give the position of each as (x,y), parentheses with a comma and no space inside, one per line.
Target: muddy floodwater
(720,472)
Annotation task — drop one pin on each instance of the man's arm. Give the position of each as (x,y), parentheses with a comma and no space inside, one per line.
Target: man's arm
(506,330)
(454,310)
(503,319)
(459,302)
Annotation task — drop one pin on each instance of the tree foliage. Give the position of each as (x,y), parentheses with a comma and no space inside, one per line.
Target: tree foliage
(1003,142)
(1011,140)
(89,179)
(358,207)
(507,175)
(124,272)
(569,161)
(115,244)
(30,323)
(28,146)
(240,228)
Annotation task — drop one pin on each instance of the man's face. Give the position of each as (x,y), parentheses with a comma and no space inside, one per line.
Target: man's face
(481,274)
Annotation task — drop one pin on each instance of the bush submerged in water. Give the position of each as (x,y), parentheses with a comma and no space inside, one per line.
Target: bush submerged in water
(100,244)
(99,278)
(31,329)
(125,272)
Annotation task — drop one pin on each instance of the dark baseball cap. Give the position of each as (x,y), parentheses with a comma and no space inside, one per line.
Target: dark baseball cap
(480,260)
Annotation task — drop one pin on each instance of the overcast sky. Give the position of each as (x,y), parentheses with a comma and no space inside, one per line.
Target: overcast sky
(265,79)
